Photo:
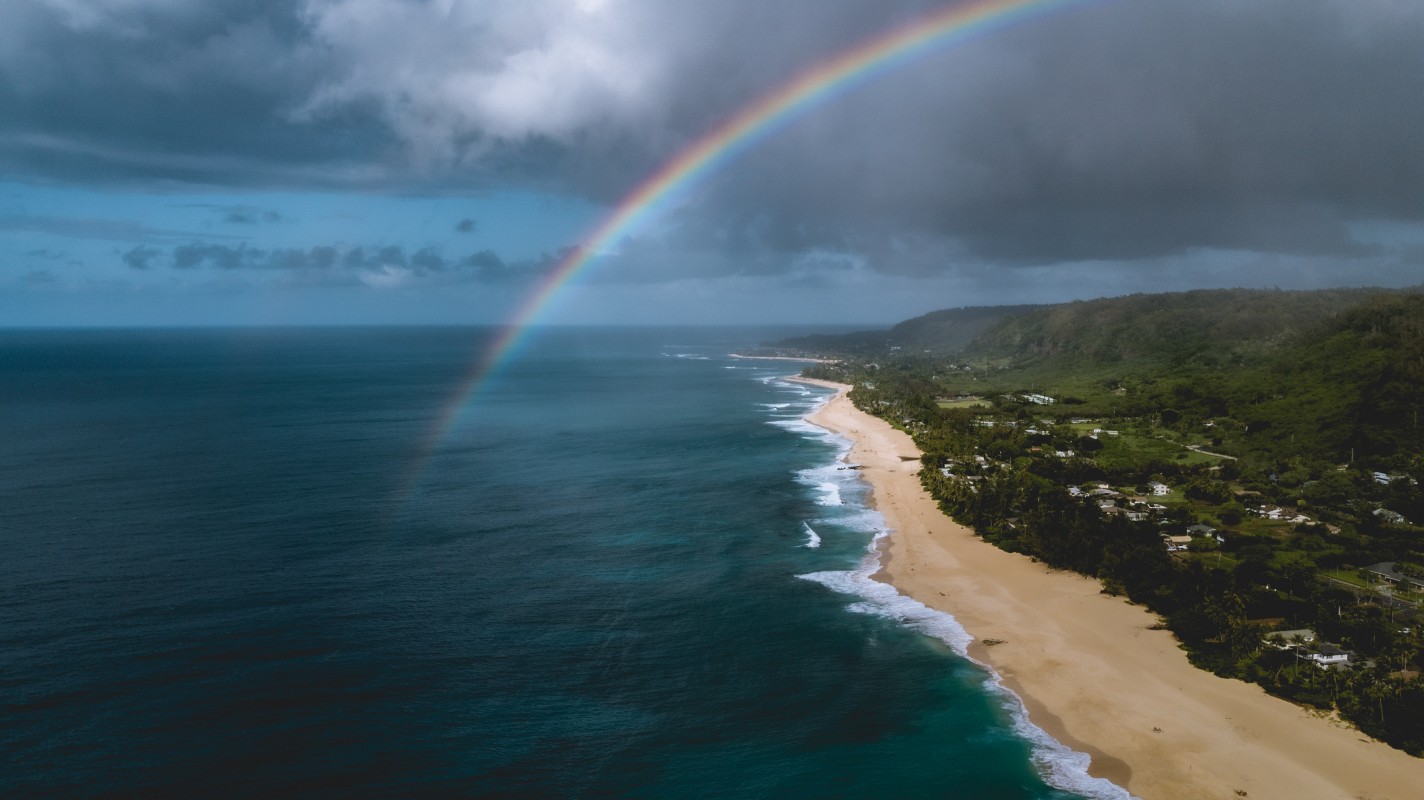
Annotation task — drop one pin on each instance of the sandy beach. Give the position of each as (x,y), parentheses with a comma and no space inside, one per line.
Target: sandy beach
(1094,675)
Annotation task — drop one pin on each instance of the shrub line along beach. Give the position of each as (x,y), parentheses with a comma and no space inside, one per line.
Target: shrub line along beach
(1097,672)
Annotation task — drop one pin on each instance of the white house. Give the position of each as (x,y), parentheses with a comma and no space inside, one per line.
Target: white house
(1327,656)
(1391,516)
(1159,488)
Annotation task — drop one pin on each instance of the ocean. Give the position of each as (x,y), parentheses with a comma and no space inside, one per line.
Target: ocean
(236,564)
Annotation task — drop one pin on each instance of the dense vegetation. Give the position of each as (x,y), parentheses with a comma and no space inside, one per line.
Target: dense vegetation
(1234,460)
(940,332)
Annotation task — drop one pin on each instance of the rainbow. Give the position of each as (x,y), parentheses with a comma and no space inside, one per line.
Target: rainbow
(753,123)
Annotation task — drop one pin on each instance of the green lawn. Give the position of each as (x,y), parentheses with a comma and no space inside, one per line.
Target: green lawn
(1348,576)
(1259,526)
(962,404)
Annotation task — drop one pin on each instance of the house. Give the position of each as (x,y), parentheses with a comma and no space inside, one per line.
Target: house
(1137,516)
(1393,517)
(1290,640)
(1074,491)
(1328,656)
(1158,488)
(1177,544)
(1200,530)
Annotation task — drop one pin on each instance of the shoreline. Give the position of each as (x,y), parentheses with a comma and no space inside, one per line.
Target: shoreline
(1089,669)
(805,359)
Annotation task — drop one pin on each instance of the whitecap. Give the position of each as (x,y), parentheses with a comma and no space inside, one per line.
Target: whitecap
(813,540)
(1060,766)
(801,426)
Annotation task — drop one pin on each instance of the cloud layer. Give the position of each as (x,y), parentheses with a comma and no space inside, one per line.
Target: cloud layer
(1111,131)
(381,266)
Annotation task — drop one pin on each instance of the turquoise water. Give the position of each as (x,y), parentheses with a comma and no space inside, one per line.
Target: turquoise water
(230,572)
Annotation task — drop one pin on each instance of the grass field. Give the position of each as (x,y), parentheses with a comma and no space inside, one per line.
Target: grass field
(962,404)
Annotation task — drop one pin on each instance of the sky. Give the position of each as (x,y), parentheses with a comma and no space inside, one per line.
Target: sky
(241,162)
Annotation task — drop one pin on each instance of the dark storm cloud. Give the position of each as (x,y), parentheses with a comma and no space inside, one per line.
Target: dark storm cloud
(141,257)
(1125,131)
(151,90)
(39,277)
(467,225)
(1110,131)
(343,264)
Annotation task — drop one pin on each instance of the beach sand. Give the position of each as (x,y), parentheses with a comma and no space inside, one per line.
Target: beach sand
(1093,674)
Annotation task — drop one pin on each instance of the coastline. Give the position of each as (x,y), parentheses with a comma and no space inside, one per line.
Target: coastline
(807,360)
(1089,669)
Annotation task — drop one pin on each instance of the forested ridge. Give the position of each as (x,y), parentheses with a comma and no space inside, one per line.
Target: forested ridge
(1239,461)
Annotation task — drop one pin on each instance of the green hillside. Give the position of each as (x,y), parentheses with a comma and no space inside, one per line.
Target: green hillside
(942,333)
(1207,327)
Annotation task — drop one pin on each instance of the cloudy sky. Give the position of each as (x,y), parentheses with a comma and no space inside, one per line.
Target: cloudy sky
(410,161)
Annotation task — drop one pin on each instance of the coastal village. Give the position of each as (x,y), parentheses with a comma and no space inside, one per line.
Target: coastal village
(1278,549)
(1182,520)
(1206,514)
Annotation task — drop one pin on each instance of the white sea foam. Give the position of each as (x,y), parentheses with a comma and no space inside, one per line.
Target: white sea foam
(813,540)
(882,600)
(1060,766)
(801,426)
(861,520)
(780,382)
(828,481)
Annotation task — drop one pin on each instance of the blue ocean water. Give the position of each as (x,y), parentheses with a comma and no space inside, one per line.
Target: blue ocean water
(630,570)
